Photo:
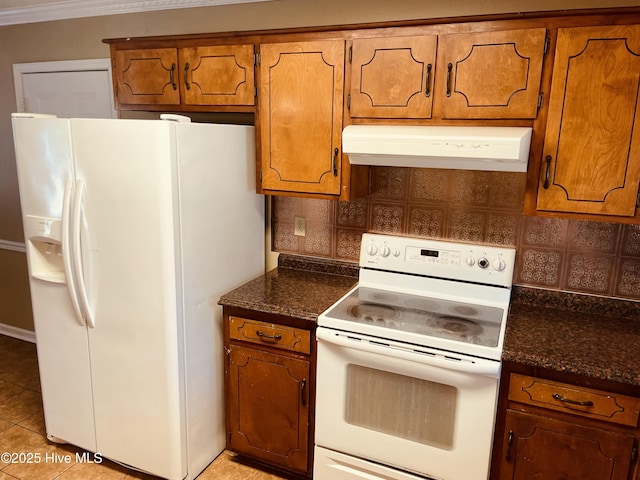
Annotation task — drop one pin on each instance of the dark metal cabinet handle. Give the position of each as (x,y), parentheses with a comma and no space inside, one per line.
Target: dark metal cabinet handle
(303,391)
(509,443)
(560,398)
(427,88)
(449,69)
(186,81)
(335,162)
(171,76)
(268,338)
(547,173)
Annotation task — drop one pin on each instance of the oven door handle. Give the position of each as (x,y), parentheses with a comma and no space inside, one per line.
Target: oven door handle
(478,366)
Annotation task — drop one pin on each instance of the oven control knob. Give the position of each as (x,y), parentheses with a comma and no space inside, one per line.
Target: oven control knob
(470,261)
(483,262)
(396,252)
(372,249)
(499,264)
(385,250)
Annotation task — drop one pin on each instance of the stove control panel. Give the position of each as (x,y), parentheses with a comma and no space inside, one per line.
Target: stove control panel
(437,258)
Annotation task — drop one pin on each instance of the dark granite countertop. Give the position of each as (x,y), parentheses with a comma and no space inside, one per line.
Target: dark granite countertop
(590,336)
(301,287)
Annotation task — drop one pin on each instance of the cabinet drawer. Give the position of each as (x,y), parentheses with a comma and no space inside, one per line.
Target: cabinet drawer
(286,338)
(585,402)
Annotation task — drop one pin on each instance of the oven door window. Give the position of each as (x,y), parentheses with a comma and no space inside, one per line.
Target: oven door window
(411,408)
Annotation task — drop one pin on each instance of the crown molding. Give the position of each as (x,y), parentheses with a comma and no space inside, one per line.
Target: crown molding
(65,9)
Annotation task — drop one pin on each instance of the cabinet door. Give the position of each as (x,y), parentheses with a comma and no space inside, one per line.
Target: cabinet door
(492,74)
(393,77)
(591,160)
(147,76)
(301,106)
(550,449)
(268,415)
(218,75)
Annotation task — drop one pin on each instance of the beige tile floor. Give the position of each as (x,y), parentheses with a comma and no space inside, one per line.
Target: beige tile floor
(22,431)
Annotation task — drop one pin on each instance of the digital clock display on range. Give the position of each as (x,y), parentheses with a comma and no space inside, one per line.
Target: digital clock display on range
(429,253)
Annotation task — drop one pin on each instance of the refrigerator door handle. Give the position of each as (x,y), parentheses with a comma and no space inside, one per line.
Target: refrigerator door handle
(66,250)
(76,248)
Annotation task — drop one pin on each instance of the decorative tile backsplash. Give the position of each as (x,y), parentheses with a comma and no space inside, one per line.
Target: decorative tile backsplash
(468,206)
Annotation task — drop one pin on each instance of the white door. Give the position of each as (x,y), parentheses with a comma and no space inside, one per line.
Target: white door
(44,163)
(68,89)
(127,169)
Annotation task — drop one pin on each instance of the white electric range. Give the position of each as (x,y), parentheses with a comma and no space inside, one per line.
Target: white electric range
(409,362)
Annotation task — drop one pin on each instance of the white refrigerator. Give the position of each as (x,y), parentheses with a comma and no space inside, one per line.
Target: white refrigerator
(133,230)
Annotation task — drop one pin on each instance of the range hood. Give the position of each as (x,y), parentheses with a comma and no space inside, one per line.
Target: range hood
(503,149)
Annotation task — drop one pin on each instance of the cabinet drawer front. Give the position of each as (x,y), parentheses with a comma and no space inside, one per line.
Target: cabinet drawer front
(286,338)
(586,402)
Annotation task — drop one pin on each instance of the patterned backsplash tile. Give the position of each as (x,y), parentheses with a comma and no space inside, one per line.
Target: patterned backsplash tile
(468,206)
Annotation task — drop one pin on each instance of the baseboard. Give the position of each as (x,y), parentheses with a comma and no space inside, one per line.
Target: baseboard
(19,333)
(14,246)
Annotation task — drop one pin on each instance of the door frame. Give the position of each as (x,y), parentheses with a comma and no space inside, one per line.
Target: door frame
(94,64)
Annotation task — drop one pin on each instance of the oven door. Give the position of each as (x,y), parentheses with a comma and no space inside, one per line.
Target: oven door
(407,407)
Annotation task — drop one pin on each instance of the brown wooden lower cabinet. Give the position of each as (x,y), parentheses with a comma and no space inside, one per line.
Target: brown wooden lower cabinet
(559,430)
(539,447)
(268,378)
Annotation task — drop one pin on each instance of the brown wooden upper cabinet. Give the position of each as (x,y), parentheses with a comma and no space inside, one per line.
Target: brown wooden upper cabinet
(201,75)
(591,159)
(392,77)
(148,76)
(493,75)
(300,116)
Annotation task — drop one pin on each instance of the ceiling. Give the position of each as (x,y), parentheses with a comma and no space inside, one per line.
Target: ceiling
(29,11)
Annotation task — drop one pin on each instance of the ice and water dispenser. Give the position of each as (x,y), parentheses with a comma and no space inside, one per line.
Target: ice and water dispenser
(44,247)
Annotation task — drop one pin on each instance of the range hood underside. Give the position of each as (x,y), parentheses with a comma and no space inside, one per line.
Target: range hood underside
(467,148)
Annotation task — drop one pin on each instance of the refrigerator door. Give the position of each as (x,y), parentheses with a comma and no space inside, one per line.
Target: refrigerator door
(45,165)
(128,221)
